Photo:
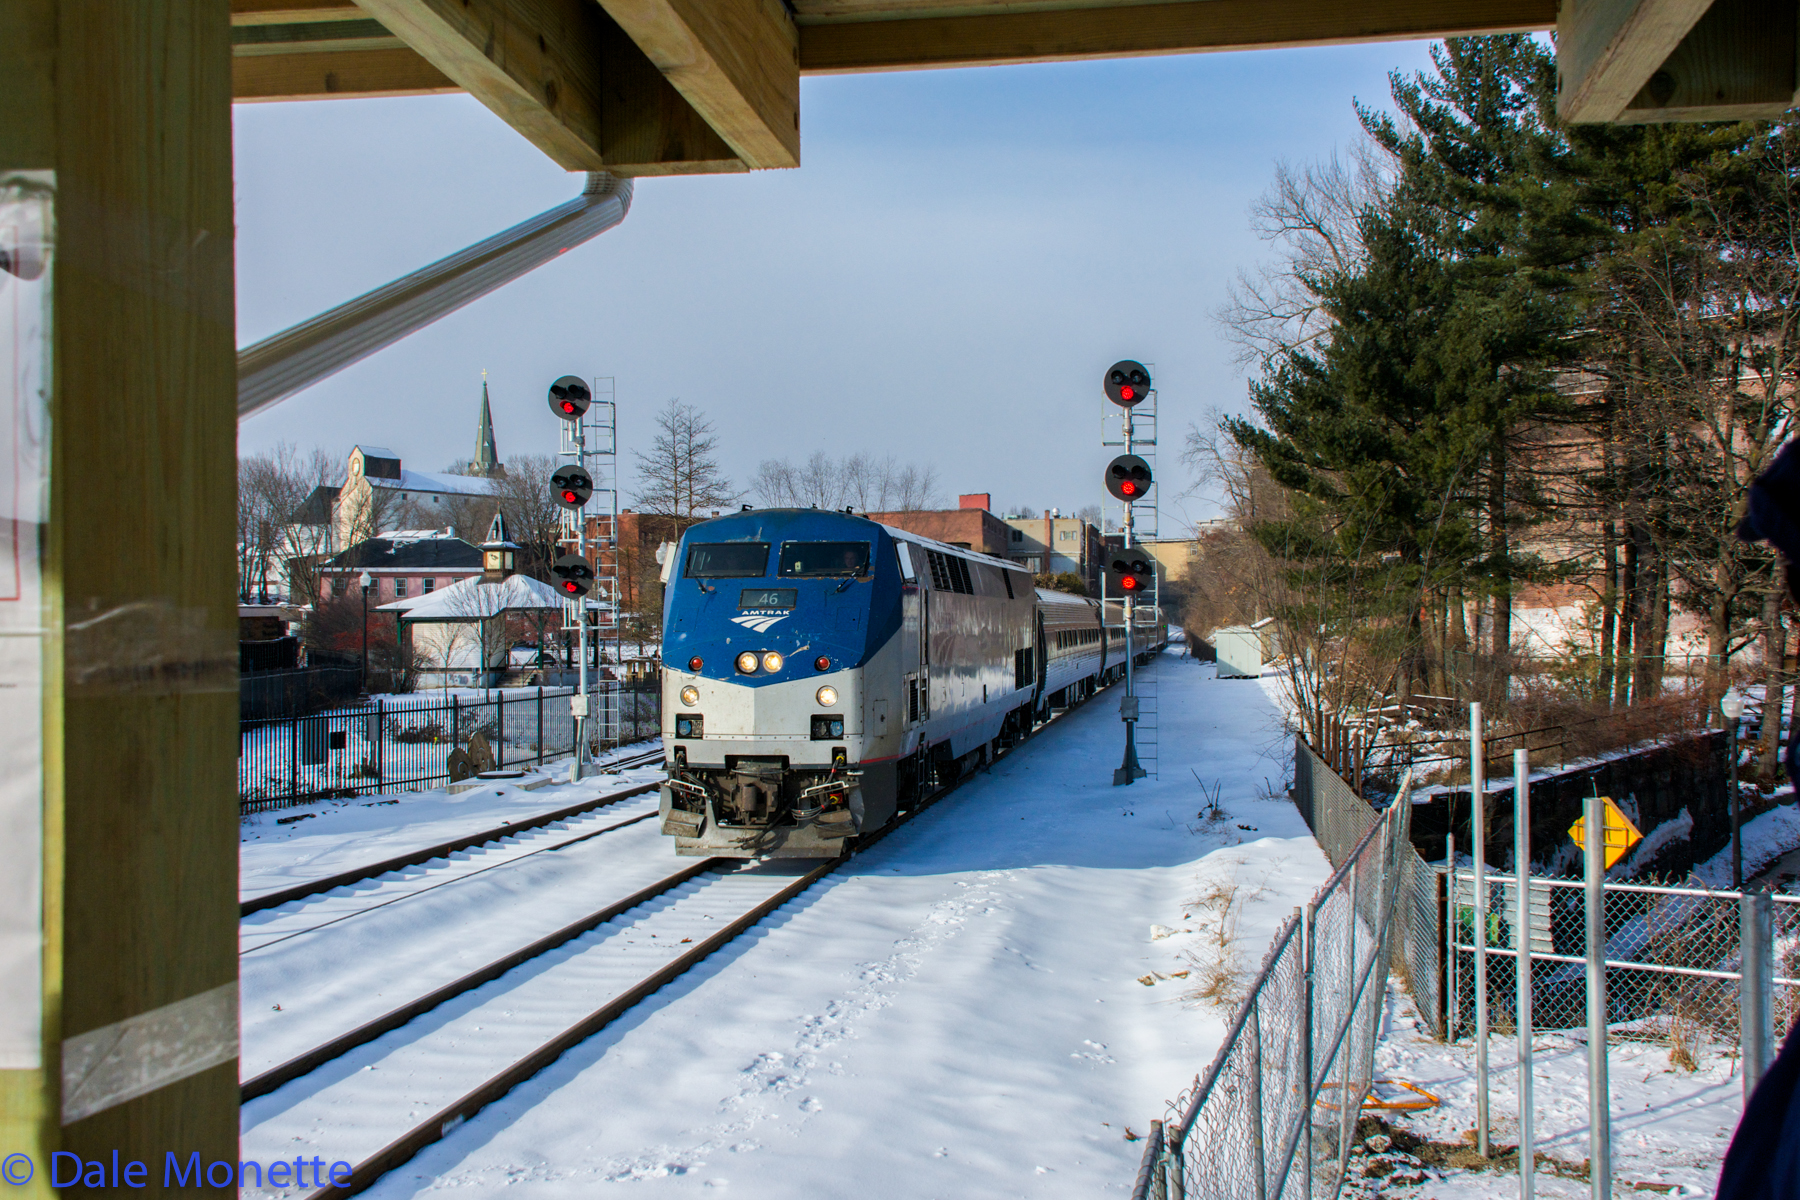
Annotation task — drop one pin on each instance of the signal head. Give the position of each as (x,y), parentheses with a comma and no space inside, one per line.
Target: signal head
(1128,478)
(571,487)
(1126,382)
(574,576)
(1130,571)
(570,398)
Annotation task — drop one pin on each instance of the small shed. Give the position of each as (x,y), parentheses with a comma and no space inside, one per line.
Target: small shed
(1240,652)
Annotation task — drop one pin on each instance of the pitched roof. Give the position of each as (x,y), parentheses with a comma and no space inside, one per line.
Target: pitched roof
(428,481)
(471,599)
(421,549)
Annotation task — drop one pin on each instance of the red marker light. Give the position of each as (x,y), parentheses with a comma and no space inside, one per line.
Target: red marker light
(822,663)
(571,587)
(1129,584)
(570,497)
(1126,392)
(567,407)
(1128,487)
(694,663)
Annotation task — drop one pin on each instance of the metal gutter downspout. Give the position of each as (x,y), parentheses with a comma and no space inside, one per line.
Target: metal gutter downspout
(275,368)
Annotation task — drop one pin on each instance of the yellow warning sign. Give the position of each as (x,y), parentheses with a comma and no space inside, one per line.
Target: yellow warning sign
(1619,836)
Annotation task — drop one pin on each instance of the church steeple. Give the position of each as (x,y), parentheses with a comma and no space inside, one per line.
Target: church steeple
(487,458)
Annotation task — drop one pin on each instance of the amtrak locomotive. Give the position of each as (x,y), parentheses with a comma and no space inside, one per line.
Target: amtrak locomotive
(823,672)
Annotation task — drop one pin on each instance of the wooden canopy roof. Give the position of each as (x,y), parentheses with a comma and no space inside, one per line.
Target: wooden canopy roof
(659,87)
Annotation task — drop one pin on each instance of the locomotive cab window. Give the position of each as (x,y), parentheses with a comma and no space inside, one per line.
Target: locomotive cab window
(767,597)
(727,560)
(824,559)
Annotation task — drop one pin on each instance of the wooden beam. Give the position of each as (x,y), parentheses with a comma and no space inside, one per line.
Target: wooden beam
(533,62)
(291,12)
(341,75)
(1606,51)
(1738,63)
(1180,28)
(118,116)
(737,62)
(564,75)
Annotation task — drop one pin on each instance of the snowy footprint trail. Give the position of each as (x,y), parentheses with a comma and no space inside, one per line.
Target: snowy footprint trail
(958,1012)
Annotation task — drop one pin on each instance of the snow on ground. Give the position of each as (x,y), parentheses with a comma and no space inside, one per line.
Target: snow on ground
(959,1011)
(287,846)
(1669,1127)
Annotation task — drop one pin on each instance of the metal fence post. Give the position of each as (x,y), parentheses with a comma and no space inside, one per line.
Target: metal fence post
(1599,1091)
(293,758)
(1756,996)
(1256,1097)
(1307,932)
(540,725)
(1452,985)
(1478,847)
(455,719)
(380,739)
(1522,962)
(500,729)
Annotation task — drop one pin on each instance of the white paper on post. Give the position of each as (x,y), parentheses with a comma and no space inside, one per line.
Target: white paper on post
(26,234)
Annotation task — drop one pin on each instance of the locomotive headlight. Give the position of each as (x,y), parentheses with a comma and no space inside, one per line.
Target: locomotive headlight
(771,662)
(690,695)
(746,663)
(826,696)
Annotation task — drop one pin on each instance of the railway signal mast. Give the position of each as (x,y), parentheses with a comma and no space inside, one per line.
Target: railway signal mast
(589,437)
(1129,570)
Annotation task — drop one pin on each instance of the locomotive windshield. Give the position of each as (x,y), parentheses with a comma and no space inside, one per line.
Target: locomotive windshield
(805,559)
(728,560)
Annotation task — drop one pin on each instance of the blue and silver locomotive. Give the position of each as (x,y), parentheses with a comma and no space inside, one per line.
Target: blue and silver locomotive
(823,672)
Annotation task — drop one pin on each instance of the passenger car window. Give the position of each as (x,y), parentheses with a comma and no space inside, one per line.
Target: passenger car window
(803,559)
(727,560)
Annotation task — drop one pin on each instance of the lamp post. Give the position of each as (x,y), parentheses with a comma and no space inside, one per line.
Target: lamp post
(368,581)
(1732,705)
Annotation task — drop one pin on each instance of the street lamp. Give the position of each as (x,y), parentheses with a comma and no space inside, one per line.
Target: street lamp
(368,581)
(1732,705)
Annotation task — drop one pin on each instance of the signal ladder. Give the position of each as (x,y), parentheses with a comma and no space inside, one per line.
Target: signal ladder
(1145,680)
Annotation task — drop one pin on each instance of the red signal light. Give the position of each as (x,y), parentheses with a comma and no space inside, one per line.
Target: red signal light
(694,663)
(1129,583)
(569,497)
(571,587)
(822,663)
(1128,487)
(1127,392)
(566,407)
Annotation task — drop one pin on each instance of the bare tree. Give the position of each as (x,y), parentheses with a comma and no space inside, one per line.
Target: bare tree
(1312,213)
(680,475)
(532,518)
(272,539)
(862,481)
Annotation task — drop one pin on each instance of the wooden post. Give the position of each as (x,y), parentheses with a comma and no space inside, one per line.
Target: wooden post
(123,113)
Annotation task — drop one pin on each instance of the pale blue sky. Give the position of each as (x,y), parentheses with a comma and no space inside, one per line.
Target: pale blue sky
(945,278)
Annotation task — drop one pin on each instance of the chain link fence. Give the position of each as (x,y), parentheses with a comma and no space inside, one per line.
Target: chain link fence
(1673,959)
(1275,1113)
(406,744)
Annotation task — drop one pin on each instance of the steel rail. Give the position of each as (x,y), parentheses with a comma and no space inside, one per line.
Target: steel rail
(446,882)
(404,1148)
(414,858)
(294,1068)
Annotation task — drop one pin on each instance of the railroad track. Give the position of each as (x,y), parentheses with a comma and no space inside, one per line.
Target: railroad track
(633,948)
(413,858)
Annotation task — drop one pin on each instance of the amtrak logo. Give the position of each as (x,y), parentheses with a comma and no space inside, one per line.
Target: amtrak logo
(760,622)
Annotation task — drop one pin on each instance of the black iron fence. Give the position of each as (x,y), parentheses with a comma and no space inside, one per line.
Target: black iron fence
(272,695)
(399,745)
